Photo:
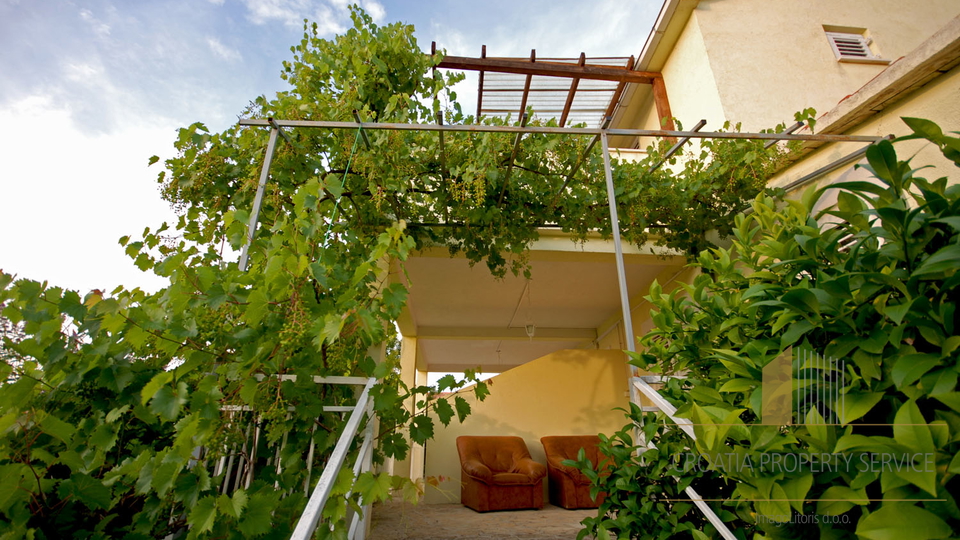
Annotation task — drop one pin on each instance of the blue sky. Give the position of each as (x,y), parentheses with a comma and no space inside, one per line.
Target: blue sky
(91,89)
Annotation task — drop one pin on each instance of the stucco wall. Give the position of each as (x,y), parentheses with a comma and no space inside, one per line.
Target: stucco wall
(772,58)
(691,87)
(936,101)
(570,392)
(690,82)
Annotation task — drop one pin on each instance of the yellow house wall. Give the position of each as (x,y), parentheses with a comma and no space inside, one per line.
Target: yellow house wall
(691,88)
(772,58)
(936,101)
(569,392)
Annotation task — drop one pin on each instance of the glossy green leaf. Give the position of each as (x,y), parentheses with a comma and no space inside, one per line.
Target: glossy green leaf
(896,521)
(56,427)
(946,259)
(796,489)
(837,500)
(776,507)
(854,405)
(910,428)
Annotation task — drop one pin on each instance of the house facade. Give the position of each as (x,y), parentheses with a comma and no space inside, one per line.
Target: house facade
(556,340)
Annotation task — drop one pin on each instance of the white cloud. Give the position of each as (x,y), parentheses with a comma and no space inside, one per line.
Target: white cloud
(83,72)
(70,195)
(216,2)
(221,50)
(331,16)
(289,12)
(328,23)
(99,27)
(375,10)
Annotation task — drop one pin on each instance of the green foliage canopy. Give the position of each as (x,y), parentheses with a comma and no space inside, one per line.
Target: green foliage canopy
(871,282)
(117,391)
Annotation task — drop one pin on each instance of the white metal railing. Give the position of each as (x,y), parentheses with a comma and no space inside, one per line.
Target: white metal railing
(687,426)
(310,518)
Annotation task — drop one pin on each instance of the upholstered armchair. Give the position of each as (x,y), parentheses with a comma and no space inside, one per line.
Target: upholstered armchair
(567,486)
(497,473)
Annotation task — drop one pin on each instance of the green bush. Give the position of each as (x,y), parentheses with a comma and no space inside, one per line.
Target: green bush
(875,288)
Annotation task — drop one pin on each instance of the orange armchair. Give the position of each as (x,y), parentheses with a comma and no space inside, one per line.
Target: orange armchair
(567,486)
(497,473)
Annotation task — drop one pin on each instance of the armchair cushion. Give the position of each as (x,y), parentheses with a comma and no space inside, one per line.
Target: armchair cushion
(499,474)
(568,487)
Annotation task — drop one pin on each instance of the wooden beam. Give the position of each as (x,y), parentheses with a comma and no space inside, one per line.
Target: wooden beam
(616,94)
(483,55)
(572,93)
(548,69)
(526,86)
(663,106)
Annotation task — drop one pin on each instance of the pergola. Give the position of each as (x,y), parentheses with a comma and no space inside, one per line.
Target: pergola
(532,69)
(576,90)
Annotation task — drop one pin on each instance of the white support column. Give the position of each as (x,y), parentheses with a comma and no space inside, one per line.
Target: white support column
(258,199)
(629,337)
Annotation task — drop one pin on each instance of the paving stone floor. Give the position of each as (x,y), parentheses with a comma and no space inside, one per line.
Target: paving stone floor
(404,521)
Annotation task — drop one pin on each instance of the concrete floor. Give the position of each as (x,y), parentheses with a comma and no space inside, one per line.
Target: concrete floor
(404,521)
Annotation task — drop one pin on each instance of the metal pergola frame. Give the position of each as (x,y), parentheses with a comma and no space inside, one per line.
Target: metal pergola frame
(638,384)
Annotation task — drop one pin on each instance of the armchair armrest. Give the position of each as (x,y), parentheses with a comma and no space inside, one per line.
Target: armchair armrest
(474,468)
(573,473)
(531,468)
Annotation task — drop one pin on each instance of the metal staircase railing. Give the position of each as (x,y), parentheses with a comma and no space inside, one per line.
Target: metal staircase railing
(310,519)
(664,406)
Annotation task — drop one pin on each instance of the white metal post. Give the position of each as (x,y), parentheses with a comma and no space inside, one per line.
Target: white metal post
(618,249)
(639,383)
(258,200)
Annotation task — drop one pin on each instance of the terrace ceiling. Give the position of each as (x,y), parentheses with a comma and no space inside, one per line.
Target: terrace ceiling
(464,318)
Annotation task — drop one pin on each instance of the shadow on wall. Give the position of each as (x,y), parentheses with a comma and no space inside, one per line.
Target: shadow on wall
(569,392)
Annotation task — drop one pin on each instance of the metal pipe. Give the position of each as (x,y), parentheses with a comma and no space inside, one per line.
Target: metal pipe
(708,513)
(673,150)
(695,497)
(362,465)
(253,451)
(483,54)
(845,160)
(443,151)
(313,444)
(580,158)
(307,523)
(479,128)
(618,250)
(790,129)
(366,141)
(283,134)
(617,246)
(513,157)
(258,200)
